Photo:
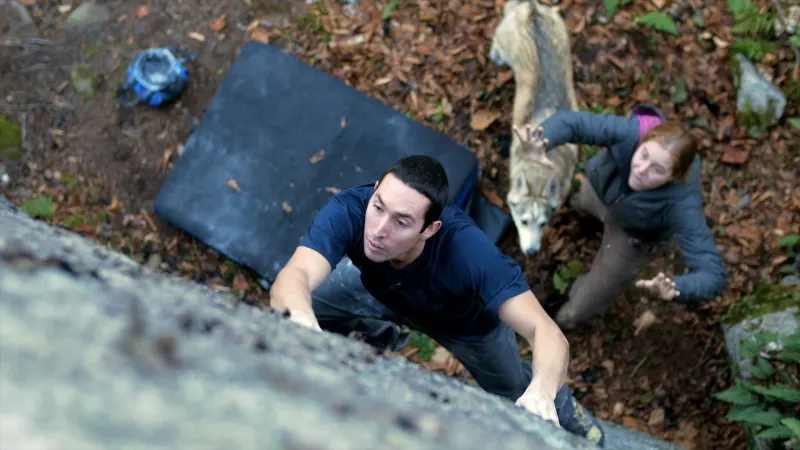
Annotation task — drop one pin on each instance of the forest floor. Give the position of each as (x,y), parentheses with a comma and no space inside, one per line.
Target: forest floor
(94,167)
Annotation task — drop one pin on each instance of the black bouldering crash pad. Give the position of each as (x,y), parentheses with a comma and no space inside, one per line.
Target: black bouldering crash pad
(246,185)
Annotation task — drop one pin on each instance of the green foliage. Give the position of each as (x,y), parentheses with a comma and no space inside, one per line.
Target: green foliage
(426,345)
(38,207)
(795,122)
(789,243)
(659,21)
(612,6)
(10,140)
(565,274)
(757,26)
(766,402)
(752,49)
(749,19)
(388,9)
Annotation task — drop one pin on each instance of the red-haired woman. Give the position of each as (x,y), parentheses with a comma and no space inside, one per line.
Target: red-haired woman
(646,190)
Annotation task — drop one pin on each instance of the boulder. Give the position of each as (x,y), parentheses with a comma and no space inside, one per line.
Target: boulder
(773,309)
(100,352)
(759,103)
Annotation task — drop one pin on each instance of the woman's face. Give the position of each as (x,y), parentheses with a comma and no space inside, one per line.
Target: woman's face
(651,167)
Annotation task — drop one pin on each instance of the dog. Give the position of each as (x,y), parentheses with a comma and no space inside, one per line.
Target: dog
(532,39)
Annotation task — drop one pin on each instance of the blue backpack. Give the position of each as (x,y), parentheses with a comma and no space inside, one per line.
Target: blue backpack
(155,77)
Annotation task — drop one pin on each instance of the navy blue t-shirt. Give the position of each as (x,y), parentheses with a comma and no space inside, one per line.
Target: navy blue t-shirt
(455,286)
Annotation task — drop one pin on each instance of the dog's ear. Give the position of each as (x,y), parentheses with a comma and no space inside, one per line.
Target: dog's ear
(520,186)
(552,191)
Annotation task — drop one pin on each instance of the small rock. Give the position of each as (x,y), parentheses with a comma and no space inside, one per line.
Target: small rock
(153,261)
(791,280)
(759,103)
(619,408)
(89,12)
(19,13)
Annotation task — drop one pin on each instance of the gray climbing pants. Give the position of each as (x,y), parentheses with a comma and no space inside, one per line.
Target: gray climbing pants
(342,305)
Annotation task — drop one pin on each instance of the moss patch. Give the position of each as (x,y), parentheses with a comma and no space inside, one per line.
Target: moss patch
(766,299)
(10,140)
(85,80)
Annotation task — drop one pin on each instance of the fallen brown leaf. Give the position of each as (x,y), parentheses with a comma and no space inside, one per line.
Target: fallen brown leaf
(656,419)
(319,156)
(287,208)
(219,24)
(196,36)
(609,366)
(482,118)
(444,361)
(240,283)
(259,34)
(382,81)
(84,229)
(234,185)
(115,205)
(737,157)
(142,11)
(409,351)
(503,78)
(746,231)
(636,424)
(645,321)
(333,190)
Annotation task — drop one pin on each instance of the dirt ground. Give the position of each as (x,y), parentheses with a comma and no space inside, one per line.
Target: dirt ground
(102,165)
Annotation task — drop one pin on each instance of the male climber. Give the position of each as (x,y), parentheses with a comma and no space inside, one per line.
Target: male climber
(427,266)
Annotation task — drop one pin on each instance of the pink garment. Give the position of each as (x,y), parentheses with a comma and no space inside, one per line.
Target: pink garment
(646,123)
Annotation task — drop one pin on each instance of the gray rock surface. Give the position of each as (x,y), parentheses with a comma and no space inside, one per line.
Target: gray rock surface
(760,101)
(783,322)
(17,12)
(89,12)
(98,352)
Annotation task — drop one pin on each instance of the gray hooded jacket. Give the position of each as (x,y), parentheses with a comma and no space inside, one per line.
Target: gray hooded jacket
(672,210)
